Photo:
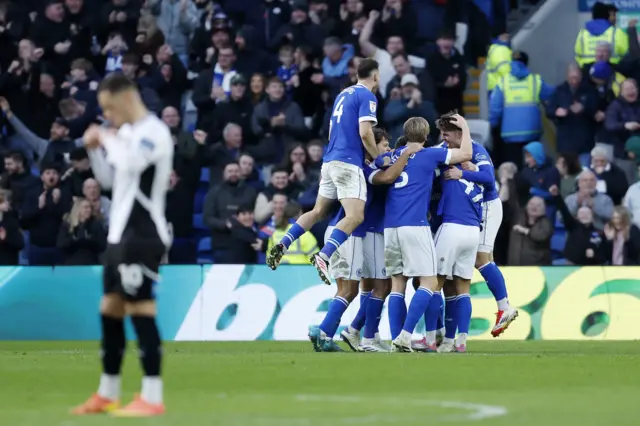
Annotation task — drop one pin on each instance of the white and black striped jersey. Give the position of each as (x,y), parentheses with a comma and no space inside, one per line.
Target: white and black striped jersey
(136,164)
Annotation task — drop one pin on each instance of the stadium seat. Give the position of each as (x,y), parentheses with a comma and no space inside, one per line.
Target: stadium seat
(198,222)
(204,245)
(204,175)
(558,241)
(481,132)
(198,201)
(585,160)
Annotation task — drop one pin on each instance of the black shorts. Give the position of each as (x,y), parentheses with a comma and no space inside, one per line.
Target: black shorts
(131,267)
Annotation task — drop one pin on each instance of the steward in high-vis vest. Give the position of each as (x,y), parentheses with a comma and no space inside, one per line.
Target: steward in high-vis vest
(514,105)
(300,251)
(498,61)
(601,29)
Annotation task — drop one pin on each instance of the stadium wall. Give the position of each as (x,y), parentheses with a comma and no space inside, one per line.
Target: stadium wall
(243,303)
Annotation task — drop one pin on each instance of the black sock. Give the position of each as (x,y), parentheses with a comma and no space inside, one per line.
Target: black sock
(149,344)
(113,344)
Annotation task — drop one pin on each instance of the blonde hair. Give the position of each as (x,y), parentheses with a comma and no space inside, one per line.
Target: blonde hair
(625,220)
(416,129)
(73,217)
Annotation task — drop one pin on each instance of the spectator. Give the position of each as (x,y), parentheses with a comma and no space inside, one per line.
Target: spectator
(257,86)
(630,65)
(585,244)
(113,52)
(335,65)
(307,92)
(188,145)
(121,16)
(245,244)
(220,204)
(287,69)
(177,32)
(632,202)
(41,215)
(100,205)
(207,42)
(236,109)
(349,12)
(11,238)
(405,103)
(398,20)
(52,32)
(279,202)
(510,207)
(588,196)
(607,86)
(611,179)
(213,86)
(395,44)
(623,122)
(299,31)
(623,239)
(172,80)
(250,58)
(403,67)
(17,179)
(147,86)
(180,207)
(530,241)
(56,149)
(301,250)
(569,168)
(224,152)
(498,63)
(315,151)
(573,109)
(277,122)
(150,37)
(248,172)
(82,238)
(296,164)
(73,179)
(448,69)
(319,15)
(279,183)
(514,105)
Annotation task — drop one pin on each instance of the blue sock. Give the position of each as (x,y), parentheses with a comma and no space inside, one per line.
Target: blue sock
(292,234)
(417,308)
(359,320)
(334,314)
(433,313)
(374,312)
(495,280)
(335,240)
(441,314)
(463,313)
(397,313)
(451,317)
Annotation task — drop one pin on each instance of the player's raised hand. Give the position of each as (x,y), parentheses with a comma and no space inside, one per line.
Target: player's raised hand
(91,137)
(453,173)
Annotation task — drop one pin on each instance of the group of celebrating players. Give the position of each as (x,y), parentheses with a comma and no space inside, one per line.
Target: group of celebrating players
(431,214)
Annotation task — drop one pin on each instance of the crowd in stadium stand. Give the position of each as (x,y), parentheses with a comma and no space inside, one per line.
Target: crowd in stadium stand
(246,86)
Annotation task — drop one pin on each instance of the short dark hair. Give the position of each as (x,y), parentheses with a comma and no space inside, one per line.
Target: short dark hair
(402,141)
(279,169)
(447,35)
(116,83)
(402,55)
(274,80)
(366,67)
(444,123)
(16,155)
(131,58)
(380,134)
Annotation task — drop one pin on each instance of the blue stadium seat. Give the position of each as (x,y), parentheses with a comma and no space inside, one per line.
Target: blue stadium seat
(585,159)
(558,241)
(204,245)
(198,201)
(204,175)
(35,171)
(559,225)
(198,222)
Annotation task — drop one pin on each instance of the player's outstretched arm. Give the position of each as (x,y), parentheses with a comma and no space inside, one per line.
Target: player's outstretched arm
(388,176)
(465,152)
(368,140)
(481,173)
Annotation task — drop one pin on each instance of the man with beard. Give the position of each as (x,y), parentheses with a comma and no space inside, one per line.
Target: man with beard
(236,109)
(279,183)
(17,178)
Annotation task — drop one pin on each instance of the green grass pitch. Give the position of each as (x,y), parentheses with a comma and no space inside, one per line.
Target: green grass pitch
(286,384)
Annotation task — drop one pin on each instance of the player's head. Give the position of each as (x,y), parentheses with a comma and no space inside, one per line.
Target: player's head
(119,99)
(368,72)
(382,140)
(416,129)
(402,141)
(449,132)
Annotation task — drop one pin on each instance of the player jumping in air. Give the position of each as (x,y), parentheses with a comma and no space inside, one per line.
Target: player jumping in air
(351,261)
(480,170)
(350,134)
(136,163)
(409,249)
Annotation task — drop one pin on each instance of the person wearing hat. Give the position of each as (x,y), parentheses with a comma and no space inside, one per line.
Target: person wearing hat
(406,102)
(601,28)
(514,106)
(300,30)
(250,58)
(236,109)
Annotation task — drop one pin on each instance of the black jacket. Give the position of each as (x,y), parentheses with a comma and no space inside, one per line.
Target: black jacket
(233,111)
(13,242)
(581,238)
(42,223)
(84,244)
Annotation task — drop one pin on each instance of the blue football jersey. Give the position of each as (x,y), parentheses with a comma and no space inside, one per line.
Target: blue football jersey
(435,220)
(486,175)
(352,106)
(461,201)
(408,198)
(376,199)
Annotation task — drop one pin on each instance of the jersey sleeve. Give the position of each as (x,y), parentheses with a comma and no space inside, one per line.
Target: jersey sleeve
(439,155)
(102,170)
(368,107)
(484,173)
(136,154)
(370,172)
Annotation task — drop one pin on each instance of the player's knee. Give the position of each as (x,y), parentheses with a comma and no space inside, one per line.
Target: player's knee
(112,305)
(482,259)
(356,218)
(382,289)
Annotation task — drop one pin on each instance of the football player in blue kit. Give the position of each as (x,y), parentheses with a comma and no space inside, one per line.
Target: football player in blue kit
(480,170)
(359,258)
(409,248)
(341,177)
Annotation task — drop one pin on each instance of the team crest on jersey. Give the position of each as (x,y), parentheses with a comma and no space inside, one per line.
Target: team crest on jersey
(359,273)
(373,106)
(480,156)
